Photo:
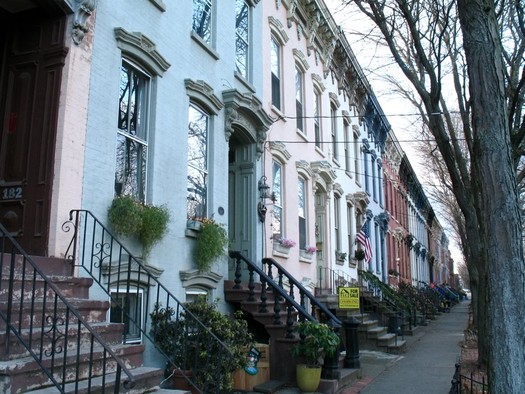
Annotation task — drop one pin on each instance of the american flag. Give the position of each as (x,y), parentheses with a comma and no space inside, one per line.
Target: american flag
(364,239)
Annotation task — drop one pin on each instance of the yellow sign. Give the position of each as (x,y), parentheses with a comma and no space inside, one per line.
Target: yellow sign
(349,297)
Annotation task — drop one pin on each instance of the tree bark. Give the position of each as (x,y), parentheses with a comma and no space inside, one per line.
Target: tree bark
(496,187)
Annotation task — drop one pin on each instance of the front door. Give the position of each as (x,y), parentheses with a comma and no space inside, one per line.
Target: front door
(32,55)
(241,196)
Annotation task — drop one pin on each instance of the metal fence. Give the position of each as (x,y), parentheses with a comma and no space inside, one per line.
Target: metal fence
(462,384)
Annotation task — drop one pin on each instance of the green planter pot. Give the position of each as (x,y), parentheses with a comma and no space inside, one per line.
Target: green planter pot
(308,378)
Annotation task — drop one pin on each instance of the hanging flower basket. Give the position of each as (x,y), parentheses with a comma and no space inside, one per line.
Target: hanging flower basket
(359,255)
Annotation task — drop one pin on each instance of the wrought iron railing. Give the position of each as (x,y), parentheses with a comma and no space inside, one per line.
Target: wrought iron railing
(50,329)
(121,276)
(273,278)
(387,294)
(330,280)
(463,384)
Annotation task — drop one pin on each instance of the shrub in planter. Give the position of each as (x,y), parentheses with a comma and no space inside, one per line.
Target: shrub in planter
(188,340)
(317,341)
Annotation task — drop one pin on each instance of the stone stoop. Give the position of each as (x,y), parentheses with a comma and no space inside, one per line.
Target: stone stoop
(19,372)
(282,365)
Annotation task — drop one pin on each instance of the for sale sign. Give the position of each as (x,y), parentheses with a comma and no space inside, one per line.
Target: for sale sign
(349,297)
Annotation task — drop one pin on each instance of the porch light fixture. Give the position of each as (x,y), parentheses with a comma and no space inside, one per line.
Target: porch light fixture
(264,193)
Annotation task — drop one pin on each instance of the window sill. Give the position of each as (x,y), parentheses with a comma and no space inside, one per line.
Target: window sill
(204,45)
(277,111)
(244,82)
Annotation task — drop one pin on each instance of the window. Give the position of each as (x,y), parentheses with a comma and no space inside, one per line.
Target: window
(241,37)
(127,307)
(333,118)
(202,19)
(337,222)
(317,119)
(374,178)
(367,174)
(275,58)
(356,157)
(197,163)
(299,111)
(350,225)
(132,145)
(197,293)
(301,188)
(347,148)
(277,219)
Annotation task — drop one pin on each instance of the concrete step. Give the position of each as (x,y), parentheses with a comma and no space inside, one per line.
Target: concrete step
(25,288)
(25,373)
(376,332)
(36,338)
(146,381)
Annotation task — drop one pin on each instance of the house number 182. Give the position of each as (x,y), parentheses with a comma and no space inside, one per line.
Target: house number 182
(11,193)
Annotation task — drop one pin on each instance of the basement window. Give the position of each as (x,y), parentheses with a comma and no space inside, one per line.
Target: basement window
(128,308)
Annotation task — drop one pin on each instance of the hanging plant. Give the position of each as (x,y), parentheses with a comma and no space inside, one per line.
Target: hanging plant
(125,216)
(210,245)
(131,218)
(154,226)
(359,254)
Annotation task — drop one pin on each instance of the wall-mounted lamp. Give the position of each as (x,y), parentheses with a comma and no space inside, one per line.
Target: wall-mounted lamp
(264,193)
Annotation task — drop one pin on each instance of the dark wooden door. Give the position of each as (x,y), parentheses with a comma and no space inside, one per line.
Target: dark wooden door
(31,62)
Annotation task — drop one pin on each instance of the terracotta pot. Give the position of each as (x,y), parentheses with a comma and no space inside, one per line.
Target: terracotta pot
(308,378)
(181,383)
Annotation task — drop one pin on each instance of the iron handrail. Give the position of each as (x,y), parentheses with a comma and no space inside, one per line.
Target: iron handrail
(303,292)
(267,280)
(46,343)
(388,293)
(105,259)
(337,278)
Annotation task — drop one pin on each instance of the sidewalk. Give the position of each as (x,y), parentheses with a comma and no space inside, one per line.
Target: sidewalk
(426,367)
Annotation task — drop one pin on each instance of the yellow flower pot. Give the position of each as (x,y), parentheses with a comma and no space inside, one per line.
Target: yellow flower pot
(308,378)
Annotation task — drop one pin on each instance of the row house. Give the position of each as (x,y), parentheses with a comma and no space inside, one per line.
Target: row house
(322,161)
(254,114)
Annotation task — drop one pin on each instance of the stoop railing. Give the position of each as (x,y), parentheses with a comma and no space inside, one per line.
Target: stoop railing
(35,315)
(386,293)
(121,275)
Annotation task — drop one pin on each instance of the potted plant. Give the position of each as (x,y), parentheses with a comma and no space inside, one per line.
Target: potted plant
(283,245)
(393,272)
(210,244)
(340,256)
(317,341)
(308,252)
(189,340)
(359,254)
(130,217)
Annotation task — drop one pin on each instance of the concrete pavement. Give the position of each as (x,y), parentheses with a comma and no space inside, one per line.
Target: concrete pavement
(427,367)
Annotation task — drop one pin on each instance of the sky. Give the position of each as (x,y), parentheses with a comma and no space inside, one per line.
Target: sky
(398,111)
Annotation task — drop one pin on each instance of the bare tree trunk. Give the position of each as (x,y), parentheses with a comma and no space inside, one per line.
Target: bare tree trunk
(499,219)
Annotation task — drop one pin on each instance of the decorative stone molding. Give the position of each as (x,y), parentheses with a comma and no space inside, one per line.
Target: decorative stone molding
(245,111)
(140,47)
(303,167)
(278,29)
(195,277)
(383,219)
(83,11)
(203,93)
(338,189)
(279,149)
(318,81)
(334,99)
(301,59)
